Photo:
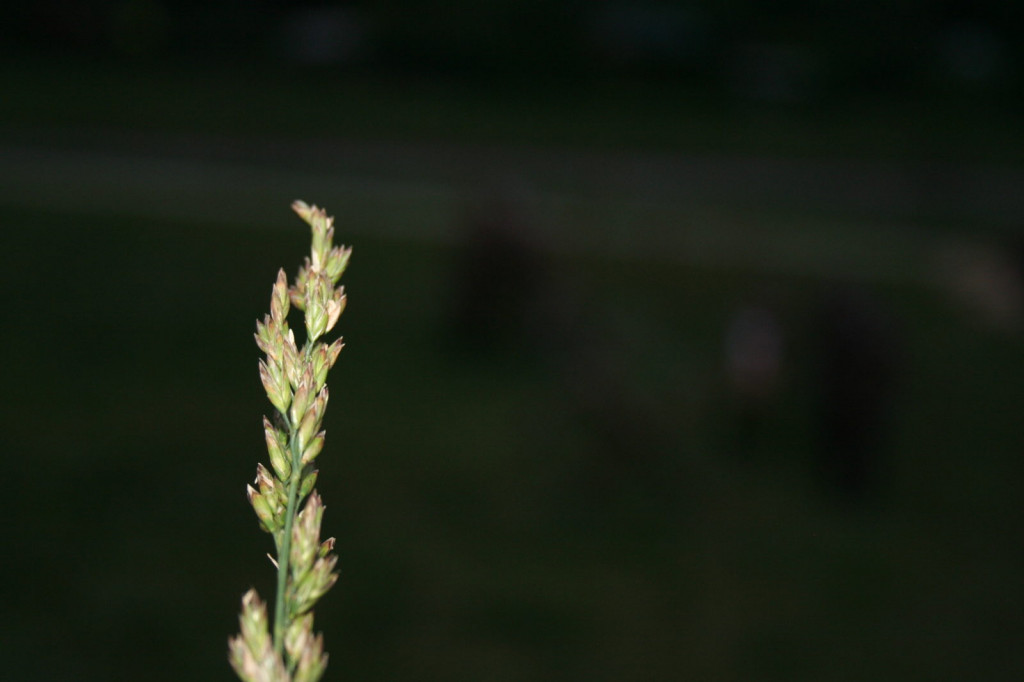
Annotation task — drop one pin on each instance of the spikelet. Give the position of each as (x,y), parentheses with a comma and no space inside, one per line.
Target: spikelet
(294,380)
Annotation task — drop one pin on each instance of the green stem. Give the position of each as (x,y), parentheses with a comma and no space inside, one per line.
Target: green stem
(285,550)
(284,553)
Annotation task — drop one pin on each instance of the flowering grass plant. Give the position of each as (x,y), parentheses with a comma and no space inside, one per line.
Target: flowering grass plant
(295,382)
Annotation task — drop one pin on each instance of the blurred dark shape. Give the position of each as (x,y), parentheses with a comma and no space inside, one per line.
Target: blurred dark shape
(500,274)
(987,281)
(754,345)
(856,379)
(631,421)
(319,35)
(510,305)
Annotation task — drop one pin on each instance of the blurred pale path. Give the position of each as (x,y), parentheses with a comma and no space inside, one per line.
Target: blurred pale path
(744,210)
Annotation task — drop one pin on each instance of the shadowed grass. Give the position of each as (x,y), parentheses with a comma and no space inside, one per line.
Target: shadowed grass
(484,530)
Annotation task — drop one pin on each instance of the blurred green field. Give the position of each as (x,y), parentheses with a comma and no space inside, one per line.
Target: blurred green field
(487,529)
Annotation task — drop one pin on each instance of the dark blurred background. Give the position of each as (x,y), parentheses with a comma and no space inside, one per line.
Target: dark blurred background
(683,338)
